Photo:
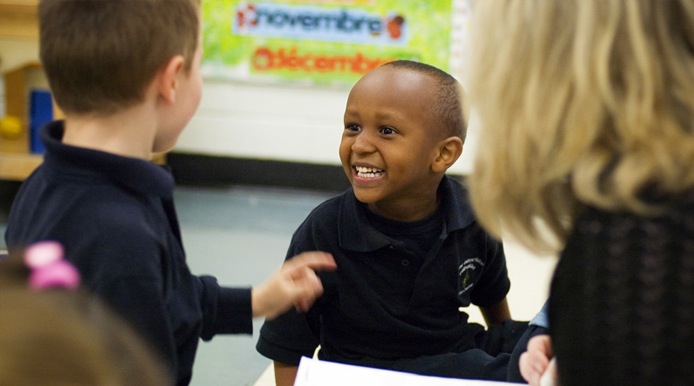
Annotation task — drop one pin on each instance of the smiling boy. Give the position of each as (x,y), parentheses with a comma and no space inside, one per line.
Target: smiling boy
(404,236)
(392,151)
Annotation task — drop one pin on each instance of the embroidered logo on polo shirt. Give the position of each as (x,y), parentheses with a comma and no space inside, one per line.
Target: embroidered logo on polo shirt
(468,272)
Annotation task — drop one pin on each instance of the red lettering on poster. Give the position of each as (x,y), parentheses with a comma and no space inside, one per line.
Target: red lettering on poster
(266,59)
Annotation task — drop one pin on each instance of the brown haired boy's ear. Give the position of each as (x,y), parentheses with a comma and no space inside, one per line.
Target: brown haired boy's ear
(167,78)
(449,150)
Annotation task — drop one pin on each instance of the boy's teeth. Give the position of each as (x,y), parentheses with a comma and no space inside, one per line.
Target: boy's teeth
(368,172)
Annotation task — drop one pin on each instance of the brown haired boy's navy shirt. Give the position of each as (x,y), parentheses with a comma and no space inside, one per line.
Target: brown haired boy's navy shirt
(379,306)
(115,217)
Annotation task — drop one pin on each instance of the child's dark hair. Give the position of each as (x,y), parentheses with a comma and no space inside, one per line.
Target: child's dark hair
(447,109)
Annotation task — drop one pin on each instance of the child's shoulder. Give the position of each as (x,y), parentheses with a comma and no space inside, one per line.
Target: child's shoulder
(330,208)
(456,198)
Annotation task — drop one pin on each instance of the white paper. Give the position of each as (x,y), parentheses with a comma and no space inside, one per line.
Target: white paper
(321,373)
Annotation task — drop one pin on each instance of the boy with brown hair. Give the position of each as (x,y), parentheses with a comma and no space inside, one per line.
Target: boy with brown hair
(126,75)
(410,251)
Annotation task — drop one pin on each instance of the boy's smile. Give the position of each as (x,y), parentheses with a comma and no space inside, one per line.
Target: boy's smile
(366,173)
(389,143)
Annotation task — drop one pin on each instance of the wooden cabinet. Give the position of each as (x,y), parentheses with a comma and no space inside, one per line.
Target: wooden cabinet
(18,20)
(16,161)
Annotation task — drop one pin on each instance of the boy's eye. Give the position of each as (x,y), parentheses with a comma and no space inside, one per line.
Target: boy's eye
(352,127)
(387,130)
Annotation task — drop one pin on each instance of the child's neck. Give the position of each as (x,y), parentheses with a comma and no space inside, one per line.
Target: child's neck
(128,133)
(414,210)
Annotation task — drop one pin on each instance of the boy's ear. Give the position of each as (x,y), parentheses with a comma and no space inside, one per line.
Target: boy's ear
(167,78)
(449,150)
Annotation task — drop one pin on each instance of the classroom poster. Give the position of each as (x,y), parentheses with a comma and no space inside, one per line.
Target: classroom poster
(321,41)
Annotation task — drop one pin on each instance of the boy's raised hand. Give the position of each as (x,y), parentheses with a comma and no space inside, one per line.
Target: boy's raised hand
(295,283)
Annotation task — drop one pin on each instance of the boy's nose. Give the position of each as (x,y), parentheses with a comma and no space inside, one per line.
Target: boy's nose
(362,143)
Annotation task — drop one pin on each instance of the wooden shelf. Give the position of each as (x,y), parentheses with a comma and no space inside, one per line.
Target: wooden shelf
(16,160)
(16,163)
(18,18)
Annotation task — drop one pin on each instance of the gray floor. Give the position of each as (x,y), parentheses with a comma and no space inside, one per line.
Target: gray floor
(240,235)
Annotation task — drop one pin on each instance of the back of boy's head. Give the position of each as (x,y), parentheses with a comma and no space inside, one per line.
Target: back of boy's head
(100,55)
(447,107)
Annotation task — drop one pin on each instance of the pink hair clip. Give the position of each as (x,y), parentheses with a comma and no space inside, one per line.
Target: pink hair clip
(48,267)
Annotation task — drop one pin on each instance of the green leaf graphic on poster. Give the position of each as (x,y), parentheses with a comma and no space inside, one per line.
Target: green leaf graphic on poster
(320,41)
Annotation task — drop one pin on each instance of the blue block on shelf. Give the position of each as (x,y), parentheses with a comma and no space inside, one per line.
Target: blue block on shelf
(41,112)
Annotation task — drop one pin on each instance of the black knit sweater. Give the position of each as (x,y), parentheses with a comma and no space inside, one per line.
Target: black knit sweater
(622,299)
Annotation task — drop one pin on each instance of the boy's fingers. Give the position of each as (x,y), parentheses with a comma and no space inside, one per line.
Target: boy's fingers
(303,306)
(313,260)
(309,283)
(308,287)
(314,282)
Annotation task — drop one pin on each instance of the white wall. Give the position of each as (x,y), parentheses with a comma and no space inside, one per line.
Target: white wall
(15,51)
(267,122)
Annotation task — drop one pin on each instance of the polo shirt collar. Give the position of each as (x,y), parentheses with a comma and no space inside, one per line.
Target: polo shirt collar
(356,233)
(134,174)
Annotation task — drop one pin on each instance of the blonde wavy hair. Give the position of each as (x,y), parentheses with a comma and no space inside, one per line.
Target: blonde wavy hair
(586,102)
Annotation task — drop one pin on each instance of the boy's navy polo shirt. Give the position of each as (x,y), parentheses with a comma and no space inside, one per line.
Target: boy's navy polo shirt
(116,219)
(369,312)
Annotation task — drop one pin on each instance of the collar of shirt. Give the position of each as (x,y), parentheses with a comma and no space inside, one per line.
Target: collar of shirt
(142,176)
(357,234)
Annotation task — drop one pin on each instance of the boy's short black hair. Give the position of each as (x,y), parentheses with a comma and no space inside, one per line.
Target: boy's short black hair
(447,109)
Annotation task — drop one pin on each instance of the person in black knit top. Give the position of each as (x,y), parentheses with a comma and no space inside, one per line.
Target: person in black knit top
(586,149)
